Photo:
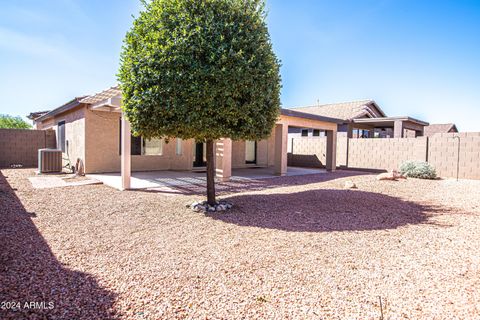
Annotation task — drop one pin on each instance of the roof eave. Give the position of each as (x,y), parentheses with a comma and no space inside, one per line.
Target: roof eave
(67,106)
(304,115)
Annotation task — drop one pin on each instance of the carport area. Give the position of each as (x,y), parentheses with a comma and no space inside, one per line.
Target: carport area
(177,181)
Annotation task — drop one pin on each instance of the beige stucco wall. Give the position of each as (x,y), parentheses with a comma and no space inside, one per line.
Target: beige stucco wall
(239,151)
(94,136)
(74,133)
(103,143)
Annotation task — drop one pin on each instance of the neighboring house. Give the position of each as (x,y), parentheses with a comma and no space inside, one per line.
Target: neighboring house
(91,128)
(35,115)
(362,119)
(432,129)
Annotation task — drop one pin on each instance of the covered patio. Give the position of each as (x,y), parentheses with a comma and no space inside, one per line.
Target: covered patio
(391,127)
(179,181)
(226,160)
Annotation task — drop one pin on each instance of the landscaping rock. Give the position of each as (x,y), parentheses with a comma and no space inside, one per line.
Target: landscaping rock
(393,175)
(203,206)
(350,185)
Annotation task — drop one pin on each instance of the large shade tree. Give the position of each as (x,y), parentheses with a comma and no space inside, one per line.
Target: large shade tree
(202,70)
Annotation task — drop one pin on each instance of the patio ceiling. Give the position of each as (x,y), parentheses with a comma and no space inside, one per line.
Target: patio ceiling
(388,122)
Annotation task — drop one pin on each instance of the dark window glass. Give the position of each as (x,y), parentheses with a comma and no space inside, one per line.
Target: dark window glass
(135,145)
(61,136)
(316,133)
(304,132)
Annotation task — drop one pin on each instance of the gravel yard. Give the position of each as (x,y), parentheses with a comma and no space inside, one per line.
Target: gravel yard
(292,248)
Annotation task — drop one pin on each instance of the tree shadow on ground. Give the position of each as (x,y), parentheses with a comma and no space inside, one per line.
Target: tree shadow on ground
(324,210)
(252,184)
(32,276)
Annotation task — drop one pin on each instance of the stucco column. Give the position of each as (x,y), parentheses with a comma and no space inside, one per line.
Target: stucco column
(349,131)
(281,140)
(331,162)
(126,154)
(398,129)
(223,159)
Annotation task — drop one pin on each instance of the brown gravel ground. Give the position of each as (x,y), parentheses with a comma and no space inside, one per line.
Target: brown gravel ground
(293,248)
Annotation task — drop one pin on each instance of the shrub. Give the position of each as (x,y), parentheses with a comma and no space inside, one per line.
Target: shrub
(418,169)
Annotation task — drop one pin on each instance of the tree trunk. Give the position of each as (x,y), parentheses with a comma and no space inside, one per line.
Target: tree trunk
(210,173)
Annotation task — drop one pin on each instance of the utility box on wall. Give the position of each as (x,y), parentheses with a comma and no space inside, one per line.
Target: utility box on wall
(49,160)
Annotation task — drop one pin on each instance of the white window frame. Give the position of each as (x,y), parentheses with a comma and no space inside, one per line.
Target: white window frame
(143,149)
(178,147)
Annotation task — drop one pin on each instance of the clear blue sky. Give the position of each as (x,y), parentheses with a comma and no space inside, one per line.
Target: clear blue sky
(417,58)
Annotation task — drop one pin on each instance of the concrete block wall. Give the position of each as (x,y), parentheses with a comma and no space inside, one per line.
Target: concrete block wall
(20,146)
(443,154)
(342,145)
(313,147)
(386,153)
(311,151)
(440,150)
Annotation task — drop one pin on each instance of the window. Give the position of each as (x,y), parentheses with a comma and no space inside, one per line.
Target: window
(140,146)
(316,133)
(61,136)
(304,132)
(152,147)
(178,147)
(135,145)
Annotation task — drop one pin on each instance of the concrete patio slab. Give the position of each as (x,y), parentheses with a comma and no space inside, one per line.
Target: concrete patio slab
(50,181)
(169,180)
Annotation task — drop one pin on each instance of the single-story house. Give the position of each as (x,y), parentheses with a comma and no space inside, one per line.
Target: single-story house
(362,119)
(92,128)
(35,115)
(432,129)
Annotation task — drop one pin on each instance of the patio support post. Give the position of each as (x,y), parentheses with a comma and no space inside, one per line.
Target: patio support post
(126,154)
(223,161)
(281,140)
(349,131)
(331,162)
(398,129)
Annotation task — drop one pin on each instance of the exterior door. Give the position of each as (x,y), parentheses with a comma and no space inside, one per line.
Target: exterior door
(251,152)
(200,155)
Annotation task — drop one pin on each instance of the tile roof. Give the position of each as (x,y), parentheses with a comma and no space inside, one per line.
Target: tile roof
(75,102)
(343,110)
(90,99)
(305,115)
(439,128)
(37,114)
(103,95)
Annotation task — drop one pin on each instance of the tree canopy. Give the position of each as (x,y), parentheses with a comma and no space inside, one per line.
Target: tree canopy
(10,122)
(200,69)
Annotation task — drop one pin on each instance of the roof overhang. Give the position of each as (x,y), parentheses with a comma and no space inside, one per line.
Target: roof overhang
(67,106)
(383,114)
(113,104)
(388,121)
(304,115)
